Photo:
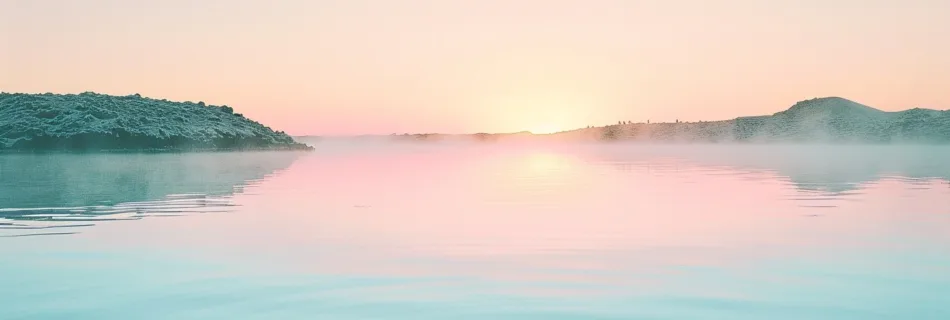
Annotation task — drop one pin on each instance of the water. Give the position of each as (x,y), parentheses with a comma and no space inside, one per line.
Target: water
(493,231)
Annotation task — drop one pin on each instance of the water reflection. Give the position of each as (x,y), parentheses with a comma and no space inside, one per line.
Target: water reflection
(828,169)
(43,191)
(494,231)
(470,202)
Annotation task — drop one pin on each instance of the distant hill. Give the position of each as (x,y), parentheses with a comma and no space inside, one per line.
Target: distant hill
(481,137)
(819,120)
(420,137)
(98,122)
(833,119)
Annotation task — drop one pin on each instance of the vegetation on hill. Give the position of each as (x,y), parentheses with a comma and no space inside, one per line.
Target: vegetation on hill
(816,120)
(99,122)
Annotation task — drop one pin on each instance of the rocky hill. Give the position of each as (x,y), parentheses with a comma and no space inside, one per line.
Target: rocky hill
(830,120)
(98,122)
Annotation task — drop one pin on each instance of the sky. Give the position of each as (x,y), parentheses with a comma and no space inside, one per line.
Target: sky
(342,67)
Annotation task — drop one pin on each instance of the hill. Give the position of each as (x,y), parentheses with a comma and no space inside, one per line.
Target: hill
(98,122)
(827,120)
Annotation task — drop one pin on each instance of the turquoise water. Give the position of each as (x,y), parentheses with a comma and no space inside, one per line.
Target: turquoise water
(494,231)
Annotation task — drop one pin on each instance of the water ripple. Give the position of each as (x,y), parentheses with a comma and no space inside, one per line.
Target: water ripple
(22,220)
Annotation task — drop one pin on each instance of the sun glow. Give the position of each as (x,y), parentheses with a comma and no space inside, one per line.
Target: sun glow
(539,112)
(545,129)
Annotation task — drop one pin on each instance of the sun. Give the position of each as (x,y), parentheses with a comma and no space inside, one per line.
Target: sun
(538,112)
(544,129)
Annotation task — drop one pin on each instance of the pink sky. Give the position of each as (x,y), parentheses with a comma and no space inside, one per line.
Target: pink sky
(384,66)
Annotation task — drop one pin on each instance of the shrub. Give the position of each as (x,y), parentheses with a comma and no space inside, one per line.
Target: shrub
(47,114)
(610,133)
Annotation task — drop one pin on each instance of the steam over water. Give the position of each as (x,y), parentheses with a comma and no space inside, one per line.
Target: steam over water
(407,230)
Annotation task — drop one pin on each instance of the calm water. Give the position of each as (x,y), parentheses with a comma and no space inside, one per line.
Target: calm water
(454,231)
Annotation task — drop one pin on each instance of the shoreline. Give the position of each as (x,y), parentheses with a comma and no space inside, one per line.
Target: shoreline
(304,148)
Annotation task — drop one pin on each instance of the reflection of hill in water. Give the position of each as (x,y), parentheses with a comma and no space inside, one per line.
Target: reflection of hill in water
(37,186)
(829,168)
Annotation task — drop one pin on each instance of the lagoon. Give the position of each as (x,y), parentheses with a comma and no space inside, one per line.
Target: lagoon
(405,230)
